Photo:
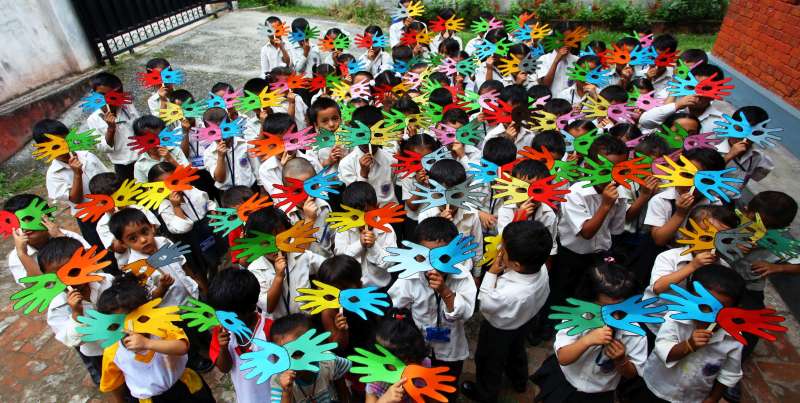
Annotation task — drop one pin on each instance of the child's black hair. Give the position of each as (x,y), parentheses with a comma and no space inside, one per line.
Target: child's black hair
(592,61)
(627,131)
(720,279)
(234,290)
(777,209)
(652,145)
(495,85)
(421,139)
(448,173)
(500,150)
(552,140)
(709,158)
(585,124)
(708,70)
(495,35)
(449,47)
(642,83)
(368,115)
(538,91)
(516,95)
(614,94)
(340,271)
(125,217)
(236,195)
(319,105)
(269,220)
(163,167)
(124,295)
(665,42)
(754,114)
(288,324)
(722,214)
(530,169)
(673,117)
(435,229)
(608,278)
(105,183)
(402,53)
(398,333)
(156,63)
(441,97)
(277,123)
(557,106)
(21,201)
(323,69)
(48,126)
(105,79)
(455,115)
(691,56)
(406,105)
(446,13)
(607,145)
(220,86)
(628,41)
(147,124)
(255,85)
(597,46)
(527,243)
(519,49)
(57,251)
(359,195)
(299,24)
(180,95)
(214,115)
(387,78)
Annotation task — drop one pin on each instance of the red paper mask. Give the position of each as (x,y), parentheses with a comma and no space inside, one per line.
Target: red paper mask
(293,194)
(390,213)
(407,164)
(95,208)
(182,178)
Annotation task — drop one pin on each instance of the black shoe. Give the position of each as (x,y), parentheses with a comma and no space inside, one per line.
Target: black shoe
(202,365)
(470,390)
(734,394)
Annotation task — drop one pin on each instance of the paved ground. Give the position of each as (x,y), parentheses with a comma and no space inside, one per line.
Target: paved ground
(36,368)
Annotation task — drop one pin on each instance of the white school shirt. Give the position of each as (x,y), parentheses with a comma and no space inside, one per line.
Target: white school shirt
(660,207)
(690,379)
(148,379)
(381,62)
(183,287)
(15,265)
(395,33)
(560,79)
(59,317)
(543,214)
(586,375)
(415,294)
(754,164)
(195,205)
(118,153)
(571,94)
(480,76)
(106,237)
(408,185)
(242,163)
(652,119)
(373,268)
(660,83)
(323,389)
(247,390)
(437,40)
(271,57)
(634,225)
(523,139)
(143,164)
(510,300)
(666,263)
(60,176)
(468,223)
(299,266)
(472,44)
(154,104)
(581,205)
(302,64)
(270,173)
(380,174)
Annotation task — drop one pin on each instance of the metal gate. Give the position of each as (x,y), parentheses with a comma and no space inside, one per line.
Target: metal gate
(116,26)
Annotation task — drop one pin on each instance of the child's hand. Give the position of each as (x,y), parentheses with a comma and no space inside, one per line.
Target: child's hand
(488,221)
(222,149)
(367,238)
(627,72)
(599,337)
(490,61)
(763,268)
(614,350)
(223,337)
(687,102)
(562,53)
(337,153)
(52,228)
(287,380)
(186,125)
(164,282)
(111,119)
(371,53)
(737,149)
(529,206)
(136,342)
(280,265)
(650,185)
(75,164)
(591,90)
(458,150)
(20,241)
(366,161)
(700,338)
(340,321)
(175,198)
(702,259)
(395,394)
(436,282)
(610,194)
(74,298)
(605,122)
(446,213)
(511,131)
(285,157)
(573,156)
(291,97)
(118,247)
(684,202)
(310,210)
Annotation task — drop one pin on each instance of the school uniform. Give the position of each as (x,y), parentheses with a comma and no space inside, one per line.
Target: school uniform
(155,376)
(143,164)
(468,224)
(691,378)
(480,76)
(571,94)
(543,214)
(661,82)
(438,39)
(381,62)
(754,164)
(321,390)
(118,153)
(560,79)
(380,174)
(247,390)
(472,44)
(524,136)
(373,268)
(194,229)
(299,267)
(395,33)
(154,104)
(270,173)
(184,286)
(662,206)
(507,302)
(304,64)
(15,265)
(581,205)
(271,57)
(651,120)
(666,263)
(107,238)
(240,167)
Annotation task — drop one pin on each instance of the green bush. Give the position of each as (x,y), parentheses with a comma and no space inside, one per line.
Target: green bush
(262,3)
(637,18)
(682,11)
(614,12)
(469,10)
(361,12)
(585,14)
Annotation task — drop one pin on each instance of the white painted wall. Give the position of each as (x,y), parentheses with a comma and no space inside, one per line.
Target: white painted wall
(42,40)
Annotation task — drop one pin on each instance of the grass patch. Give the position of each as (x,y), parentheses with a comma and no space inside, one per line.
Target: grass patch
(11,186)
(685,40)
(362,12)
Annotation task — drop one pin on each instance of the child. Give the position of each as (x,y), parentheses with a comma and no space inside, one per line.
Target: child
(368,245)
(314,210)
(228,160)
(423,145)
(500,151)
(273,53)
(440,304)
(750,162)
(152,367)
(66,307)
(237,291)
(158,100)
(347,329)
(464,153)
(579,90)
(397,27)
(327,384)
(375,60)
(68,176)
(233,198)
(487,70)
(691,363)
(512,292)
(149,124)
(660,76)
(304,57)
(449,173)
(22,260)
(271,170)
(446,14)
(369,163)
(592,363)
(553,68)
(324,113)
(279,274)
(516,131)
(114,130)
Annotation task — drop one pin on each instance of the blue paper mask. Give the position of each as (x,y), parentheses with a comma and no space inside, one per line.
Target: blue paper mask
(702,307)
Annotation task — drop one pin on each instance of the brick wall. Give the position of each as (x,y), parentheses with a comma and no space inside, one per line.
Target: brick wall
(761,39)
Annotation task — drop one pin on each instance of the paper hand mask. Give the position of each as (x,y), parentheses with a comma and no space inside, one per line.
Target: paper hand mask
(146,319)
(712,184)
(299,355)
(419,259)
(30,218)
(377,218)
(319,186)
(465,195)
(356,300)
(598,173)
(57,145)
(203,316)
(596,76)
(740,128)
(226,220)
(542,190)
(583,316)
(780,243)
(295,239)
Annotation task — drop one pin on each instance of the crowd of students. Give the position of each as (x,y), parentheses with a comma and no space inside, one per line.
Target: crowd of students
(602,243)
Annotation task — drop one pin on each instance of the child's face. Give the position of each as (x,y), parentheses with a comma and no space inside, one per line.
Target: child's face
(726,300)
(578,131)
(603,299)
(37,239)
(432,244)
(140,237)
(328,119)
(690,125)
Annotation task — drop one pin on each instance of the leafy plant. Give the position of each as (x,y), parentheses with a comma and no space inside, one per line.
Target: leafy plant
(614,12)
(682,11)
(361,12)
(637,18)
(585,14)
(469,10)
(10,186)
(264,3)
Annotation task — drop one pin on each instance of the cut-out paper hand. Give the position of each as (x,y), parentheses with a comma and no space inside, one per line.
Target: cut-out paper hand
(731,244)
(355,136)
(698,240)
(30,218)
(8,223)
(409,261)
(445,258)
(630,171)
(154,193)
(485,173)
(515,190)
(82,141)
(737,321)
(81,268)
(52,149)
(433,380)
(200,314)
(702,307)
(105,328)
(299,140)
(780,243)
(317,300)
(297,238)
(579,317)
(433,196)
(231,322)
(292,194)
(634,310)
(269,359)
(359,300)
(224,220)
(149,319)
(322,184)
(548,191)
(389,213)
(714,184)
(469,133)
(96,207)
(677,174)
(308,350)
(267,147)
(253,247)
(408,163)
(43,289)
(144,142)
(581,144)
(168,254)
(346,220)
(181,179)
(380,367)
(491,247)
(170,137)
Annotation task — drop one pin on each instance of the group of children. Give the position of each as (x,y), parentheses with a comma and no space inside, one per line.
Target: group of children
(603,242)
